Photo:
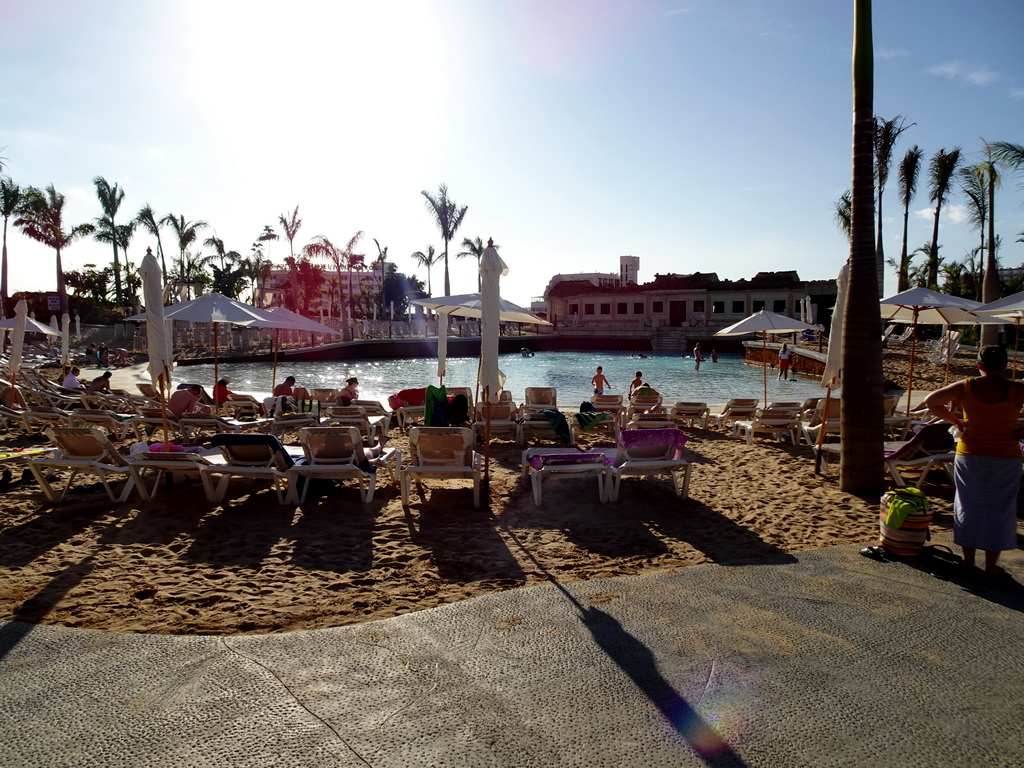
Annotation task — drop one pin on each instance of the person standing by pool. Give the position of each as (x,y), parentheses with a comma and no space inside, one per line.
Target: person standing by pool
(599,382)
(698,356)
(988,456)
(784,356)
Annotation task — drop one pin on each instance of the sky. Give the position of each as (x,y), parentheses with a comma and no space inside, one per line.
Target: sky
(698,135)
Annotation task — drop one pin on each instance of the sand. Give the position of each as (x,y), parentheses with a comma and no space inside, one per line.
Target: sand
(179,564)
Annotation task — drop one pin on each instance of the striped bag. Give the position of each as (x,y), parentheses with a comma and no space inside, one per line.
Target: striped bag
(904,519)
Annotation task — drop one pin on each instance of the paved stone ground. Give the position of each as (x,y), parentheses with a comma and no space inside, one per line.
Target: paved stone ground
(826,659)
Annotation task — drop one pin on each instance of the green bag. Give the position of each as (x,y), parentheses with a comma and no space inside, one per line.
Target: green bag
(902,502)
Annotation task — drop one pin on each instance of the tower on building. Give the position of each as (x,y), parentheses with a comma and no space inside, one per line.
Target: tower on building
(629,269)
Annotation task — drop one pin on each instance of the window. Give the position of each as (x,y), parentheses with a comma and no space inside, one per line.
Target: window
(758,305)
(606,309)
(588,309)
(658,307)
(739,307)
(574,309)
(698,306)
(620,308)
(779,305)
(638,308)
(718,307)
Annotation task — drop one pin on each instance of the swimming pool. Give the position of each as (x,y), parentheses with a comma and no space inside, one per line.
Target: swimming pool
(570,372)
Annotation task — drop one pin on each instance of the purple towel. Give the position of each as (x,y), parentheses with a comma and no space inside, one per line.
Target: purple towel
(643,438)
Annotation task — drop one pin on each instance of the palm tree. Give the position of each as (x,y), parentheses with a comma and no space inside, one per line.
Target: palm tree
(474,247)
(341,258)
(841,213)
(427,260)
(910,168)
(41,217)
(110,198)
(1007,154)
(10,201)
(219,252)
(886,134)
(132,282)
(448,217)
(973,181)
(940,174)
(291,225)
(861,421)
(186,233)
(382,256)
(147,219)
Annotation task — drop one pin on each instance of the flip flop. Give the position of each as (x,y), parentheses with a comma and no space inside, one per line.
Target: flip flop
(875,553)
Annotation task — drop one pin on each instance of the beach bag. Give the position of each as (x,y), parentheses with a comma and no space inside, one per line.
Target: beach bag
(904,519)
(308,406)
(587,407)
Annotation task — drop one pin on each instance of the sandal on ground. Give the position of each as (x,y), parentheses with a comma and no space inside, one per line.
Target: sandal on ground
(875,553)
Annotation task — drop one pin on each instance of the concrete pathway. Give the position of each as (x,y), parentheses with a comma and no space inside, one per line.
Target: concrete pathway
(826,659)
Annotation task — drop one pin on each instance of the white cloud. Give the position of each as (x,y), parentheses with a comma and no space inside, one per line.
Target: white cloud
(924,213)
(955,214)
(958,70)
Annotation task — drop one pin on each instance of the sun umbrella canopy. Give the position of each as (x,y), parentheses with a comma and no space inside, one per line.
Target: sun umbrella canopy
(300,323)
(765,322)
(469,305)
(905,304)
(1005,306)
(31,326)
(217,308)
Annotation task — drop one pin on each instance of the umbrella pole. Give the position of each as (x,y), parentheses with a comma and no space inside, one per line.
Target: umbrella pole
(949,348)
(162,381)
(821,430)
(764,366)
(1016,341)
(216,369)
(913,350)
(487,447)
(273,375)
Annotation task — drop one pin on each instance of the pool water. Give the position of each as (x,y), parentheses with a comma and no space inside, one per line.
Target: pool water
(570,372)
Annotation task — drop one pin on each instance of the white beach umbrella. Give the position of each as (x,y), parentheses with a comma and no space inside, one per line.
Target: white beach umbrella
(832,376)
(764,322)
(161,361)
(78,326)
(491,270)
(1010,308)
(31,326)
(54,325)
(17,341)
(470,304)
(65,338)
(922,305)
(298,323)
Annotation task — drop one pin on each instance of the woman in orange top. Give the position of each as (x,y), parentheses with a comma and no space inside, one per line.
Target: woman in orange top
(987,467)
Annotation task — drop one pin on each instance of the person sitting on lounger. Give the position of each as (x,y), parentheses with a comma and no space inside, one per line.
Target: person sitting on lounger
(350,392)
(71,380)
(101,383)
(185,401)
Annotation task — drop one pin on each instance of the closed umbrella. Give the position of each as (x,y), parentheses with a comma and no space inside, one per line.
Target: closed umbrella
(17,346)
(922,305)
(491,270)
(765,322)
(442,345)
(832,375)
(65,338)
(158,346)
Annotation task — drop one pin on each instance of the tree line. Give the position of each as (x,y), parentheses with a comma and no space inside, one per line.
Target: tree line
(322,268)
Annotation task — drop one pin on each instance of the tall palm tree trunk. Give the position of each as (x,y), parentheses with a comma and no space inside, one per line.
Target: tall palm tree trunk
(3,276)
(117,279)
(903,281)
(447,283)
(990,286)
(62,288)
(861,422)
(933,254)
